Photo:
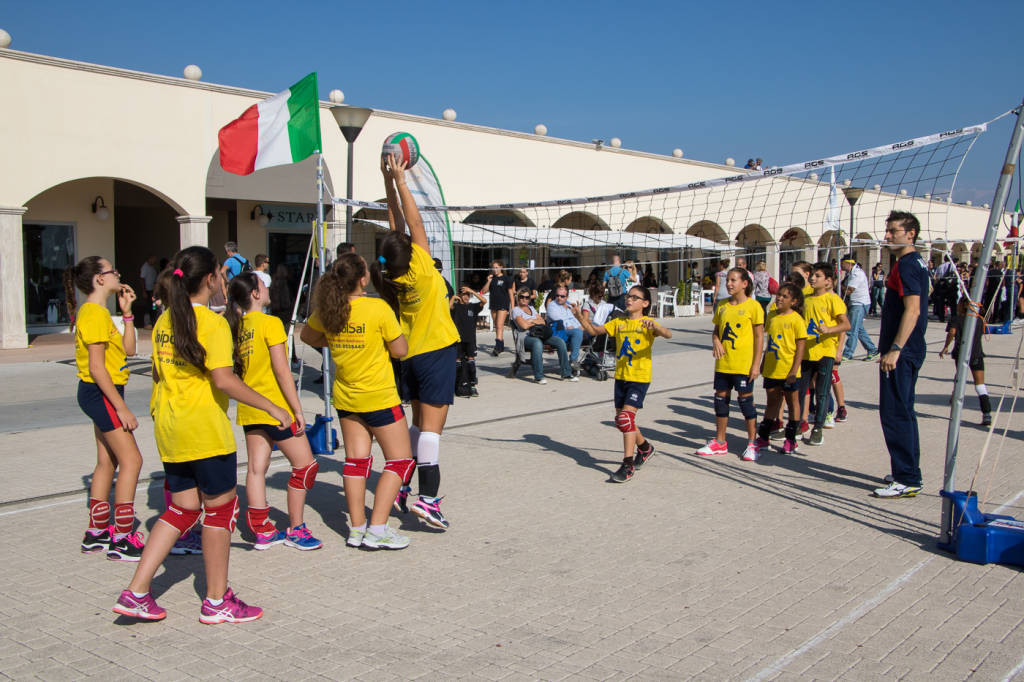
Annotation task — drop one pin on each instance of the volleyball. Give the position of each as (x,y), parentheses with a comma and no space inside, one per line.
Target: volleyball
(403,147)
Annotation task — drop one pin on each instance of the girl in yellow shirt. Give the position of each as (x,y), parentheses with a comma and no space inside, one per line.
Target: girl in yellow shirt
(363,335)
(193,375)
(737,342)
(261,359)
(404,275)
(101,357)
(786,336)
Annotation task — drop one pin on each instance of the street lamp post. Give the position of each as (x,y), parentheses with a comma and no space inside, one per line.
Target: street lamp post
(852,194)
(351,121)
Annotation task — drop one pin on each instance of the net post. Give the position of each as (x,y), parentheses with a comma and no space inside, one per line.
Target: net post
(321,237)
(971,322)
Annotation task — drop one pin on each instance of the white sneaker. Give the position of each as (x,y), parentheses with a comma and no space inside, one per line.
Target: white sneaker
(540,381)
(830,421)
(752,452)
(895,489)
(389,539)
(713,448)
(355,537)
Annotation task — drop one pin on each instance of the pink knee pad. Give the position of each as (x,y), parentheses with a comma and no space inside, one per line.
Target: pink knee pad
(224,516)
(626,421)
(402,467)
(303,478)
(178,518)
(357,468)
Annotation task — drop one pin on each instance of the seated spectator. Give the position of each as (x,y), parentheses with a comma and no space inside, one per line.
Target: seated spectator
(525,316)
(565,324)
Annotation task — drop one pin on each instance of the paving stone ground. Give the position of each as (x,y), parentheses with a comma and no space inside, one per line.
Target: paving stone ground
(699,568)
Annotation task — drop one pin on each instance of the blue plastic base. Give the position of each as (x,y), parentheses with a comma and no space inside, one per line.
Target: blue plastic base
(998,328)
(983,538)
(317,435)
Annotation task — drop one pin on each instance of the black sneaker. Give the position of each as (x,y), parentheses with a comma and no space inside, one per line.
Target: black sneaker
(986,420)
(128,548)
(96,542)
(841,415)
(624,473)
(643,455)
(473,392)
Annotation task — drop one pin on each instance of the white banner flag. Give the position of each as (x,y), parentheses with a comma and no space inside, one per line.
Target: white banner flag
(835,204)
(426,191)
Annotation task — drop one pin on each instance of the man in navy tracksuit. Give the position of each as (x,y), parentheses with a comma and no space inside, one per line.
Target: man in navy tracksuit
(902,346)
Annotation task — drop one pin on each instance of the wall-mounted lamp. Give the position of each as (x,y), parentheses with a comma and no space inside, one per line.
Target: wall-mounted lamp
(259,216)
(100,209)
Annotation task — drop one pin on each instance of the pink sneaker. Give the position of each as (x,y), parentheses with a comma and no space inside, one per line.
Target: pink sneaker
(789,447)
(713,448)
(230,610)
(762,444)
(144,608)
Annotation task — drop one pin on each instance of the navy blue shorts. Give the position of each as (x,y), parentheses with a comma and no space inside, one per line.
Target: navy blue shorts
(377,418)
(430,377)
(212,475)
(274,432)
(727,382)
(630,393)
(98,408)
(781,383)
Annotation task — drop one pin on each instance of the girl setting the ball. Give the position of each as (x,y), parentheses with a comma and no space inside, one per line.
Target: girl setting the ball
(634,336)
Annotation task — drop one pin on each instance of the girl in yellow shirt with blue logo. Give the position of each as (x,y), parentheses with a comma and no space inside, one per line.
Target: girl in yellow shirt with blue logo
(101,354)
(193,373)
(363,335)
(405,277)
(786,336)
(634,336)
(261,360)
(737,342)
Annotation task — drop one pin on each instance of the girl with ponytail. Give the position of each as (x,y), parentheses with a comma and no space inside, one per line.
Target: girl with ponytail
(193,375)
(363,335)
(405,276)
(101,353)
(261,360)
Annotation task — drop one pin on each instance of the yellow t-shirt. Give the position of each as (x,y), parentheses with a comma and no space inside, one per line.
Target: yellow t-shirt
(633,358)
(808,290)
(189,412)
(93,325)
(259,333)
(822,310)
(364,380)
(781,332)
(423,307)
(735,323)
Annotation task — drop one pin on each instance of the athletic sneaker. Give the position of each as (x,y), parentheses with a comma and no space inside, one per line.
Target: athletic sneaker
(778,431)
(571,377)
(144,607)
(830,420)
(752,452)
(189,543)
(96,540)
(804,427)
(986,420)
(713,448)
(473,392)
(871,356)
(816,437)
(128,548)
(402,501)
(300,538)
(268,540)
(762,444)
(643,455)
(895,489)
(624,473)
(429,512)
(789,447)
(540,381)
(389,539)
(841,415)
(355,537)
(230,610)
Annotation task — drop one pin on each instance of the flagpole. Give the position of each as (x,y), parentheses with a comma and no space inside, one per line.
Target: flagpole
(322,255)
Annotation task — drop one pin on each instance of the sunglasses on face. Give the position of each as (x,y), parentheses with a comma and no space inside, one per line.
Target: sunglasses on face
(111,272)
(560,296)
(633,297)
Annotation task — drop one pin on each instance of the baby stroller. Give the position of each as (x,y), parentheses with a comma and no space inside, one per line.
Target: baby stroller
(597,354)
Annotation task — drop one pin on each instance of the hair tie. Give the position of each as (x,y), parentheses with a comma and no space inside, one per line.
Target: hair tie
(383,260)
(178,273)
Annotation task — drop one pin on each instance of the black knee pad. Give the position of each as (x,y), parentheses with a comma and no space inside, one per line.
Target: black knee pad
(721,406)
(791,427)
(747,406)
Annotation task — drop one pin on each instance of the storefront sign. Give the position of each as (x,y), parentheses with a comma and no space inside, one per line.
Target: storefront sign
(292,217)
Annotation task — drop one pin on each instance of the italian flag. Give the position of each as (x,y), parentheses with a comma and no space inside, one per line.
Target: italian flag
(280,130)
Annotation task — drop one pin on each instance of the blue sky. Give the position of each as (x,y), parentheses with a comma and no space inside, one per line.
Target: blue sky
(785,81)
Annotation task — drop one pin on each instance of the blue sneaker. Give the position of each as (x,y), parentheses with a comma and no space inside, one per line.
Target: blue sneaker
(300,538)
(268,540)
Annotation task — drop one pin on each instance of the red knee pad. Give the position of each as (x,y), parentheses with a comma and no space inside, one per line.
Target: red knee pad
(835,376)
(180,519)
(357,468)
(402,467)
(626,421)
(303,479)
(224,516)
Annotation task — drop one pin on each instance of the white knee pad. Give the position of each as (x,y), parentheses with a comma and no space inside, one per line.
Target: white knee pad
(429,449)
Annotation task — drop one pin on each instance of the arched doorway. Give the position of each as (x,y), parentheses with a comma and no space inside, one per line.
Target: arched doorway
(831,246)
(753,242)
(793,246)
(664,265)
(473,261)
(700,262)
(580,263)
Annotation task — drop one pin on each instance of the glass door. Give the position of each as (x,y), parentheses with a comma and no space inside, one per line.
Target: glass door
(49,249)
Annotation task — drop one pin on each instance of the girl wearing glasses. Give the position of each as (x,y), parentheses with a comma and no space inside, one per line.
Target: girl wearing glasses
(101,354)
(634,335)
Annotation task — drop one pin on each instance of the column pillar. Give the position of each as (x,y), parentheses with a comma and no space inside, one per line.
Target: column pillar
(874,256)
(12,278)
(193,230)
(771,259)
